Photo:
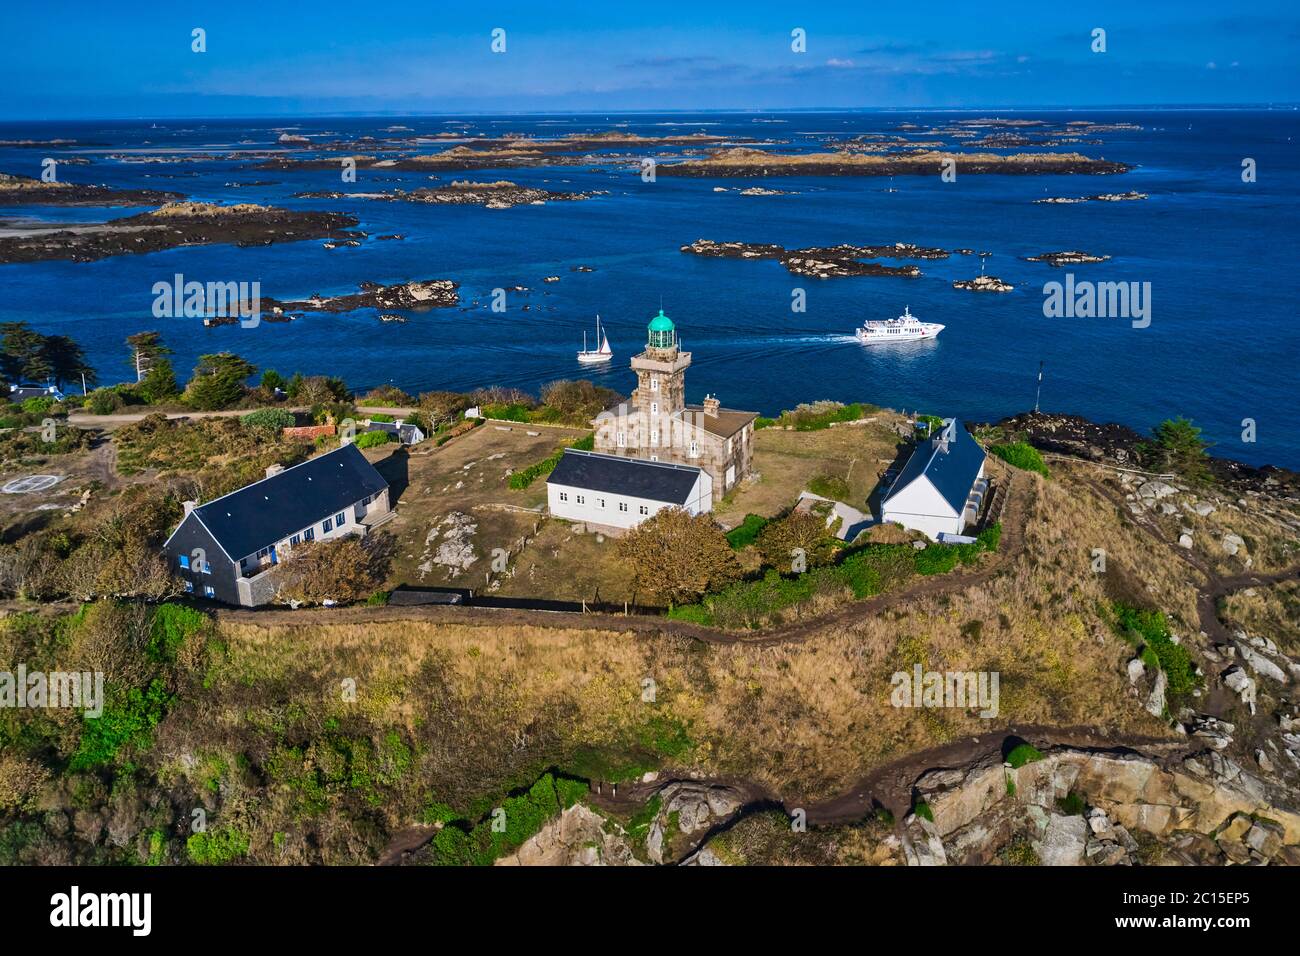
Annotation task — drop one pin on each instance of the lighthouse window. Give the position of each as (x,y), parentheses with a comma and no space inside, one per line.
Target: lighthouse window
(654,408)
(654,383)
(622,439)
(695,449)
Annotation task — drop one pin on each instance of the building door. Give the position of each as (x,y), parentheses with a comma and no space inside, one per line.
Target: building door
(729,477)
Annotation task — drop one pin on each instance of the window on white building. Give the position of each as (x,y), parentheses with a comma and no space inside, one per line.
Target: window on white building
(622,506)
(564,496)
(582,499)
(601,502)
(643,509)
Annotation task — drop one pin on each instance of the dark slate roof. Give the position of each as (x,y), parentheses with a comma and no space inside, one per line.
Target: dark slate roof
(260,514)
(403,432)
(635,477)
(952,472)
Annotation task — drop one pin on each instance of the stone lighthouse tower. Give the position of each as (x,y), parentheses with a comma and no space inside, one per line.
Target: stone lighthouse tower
(660,372)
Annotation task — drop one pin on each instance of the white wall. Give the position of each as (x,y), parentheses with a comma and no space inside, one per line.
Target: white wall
(920,507)
(699,500)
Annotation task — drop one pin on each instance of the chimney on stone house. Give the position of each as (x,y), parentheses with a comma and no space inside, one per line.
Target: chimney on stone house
(711,405)
(272,470)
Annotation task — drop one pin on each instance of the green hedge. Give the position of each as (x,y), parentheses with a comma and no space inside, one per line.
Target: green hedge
(526,476)
(1021,455)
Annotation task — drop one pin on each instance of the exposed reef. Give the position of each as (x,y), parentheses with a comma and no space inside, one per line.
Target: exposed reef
(24,191)
(824,262)
(171,226)
(748,162)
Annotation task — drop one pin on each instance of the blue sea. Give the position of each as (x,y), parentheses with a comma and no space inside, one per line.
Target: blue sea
(1219,254)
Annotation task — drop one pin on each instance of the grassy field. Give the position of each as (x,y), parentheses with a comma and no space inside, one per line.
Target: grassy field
(456,506)
(786,461)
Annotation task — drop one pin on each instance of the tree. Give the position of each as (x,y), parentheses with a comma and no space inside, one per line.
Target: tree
(145,348)
(579,401)
(344,570)
(1182,447)
(66,360)
(218,381)
(679,557)
(800,532)
(22,354)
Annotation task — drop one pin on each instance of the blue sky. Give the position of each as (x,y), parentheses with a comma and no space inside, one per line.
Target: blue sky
(133,59)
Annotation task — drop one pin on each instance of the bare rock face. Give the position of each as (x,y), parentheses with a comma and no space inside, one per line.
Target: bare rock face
(1064,841)
(1199,809)
(577,837)
(692,808)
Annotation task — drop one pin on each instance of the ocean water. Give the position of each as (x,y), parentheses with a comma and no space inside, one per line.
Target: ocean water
(1219,254)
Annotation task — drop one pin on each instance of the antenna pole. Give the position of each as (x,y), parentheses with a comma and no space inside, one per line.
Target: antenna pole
(1039,393)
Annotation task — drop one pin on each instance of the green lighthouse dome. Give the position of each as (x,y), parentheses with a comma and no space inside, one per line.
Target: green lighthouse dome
(663,334)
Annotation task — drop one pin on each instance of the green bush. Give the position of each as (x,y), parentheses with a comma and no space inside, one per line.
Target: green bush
(458,844)
(372,439)
(217,847)
(1149,632)
(512,412)
(382,417)
(103,401)
(744,533)
(38,405)
(270,420)
(1021,455)
(922,810)
(1022,754)
(128,719)
(171,626)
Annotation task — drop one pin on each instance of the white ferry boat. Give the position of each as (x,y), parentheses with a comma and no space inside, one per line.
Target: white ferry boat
(905,328)
(602,352)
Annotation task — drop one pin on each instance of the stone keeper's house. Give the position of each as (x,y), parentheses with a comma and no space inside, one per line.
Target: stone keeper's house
(658,425)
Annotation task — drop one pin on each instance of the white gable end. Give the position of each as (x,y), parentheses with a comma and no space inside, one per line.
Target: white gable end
(920,497)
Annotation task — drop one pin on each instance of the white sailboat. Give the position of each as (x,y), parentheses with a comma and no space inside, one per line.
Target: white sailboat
(602,353)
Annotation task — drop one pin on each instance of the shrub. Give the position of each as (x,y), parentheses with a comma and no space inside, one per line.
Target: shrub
(744,533)
(1021,455)
(171,627)
(526,476)
(217,847)
(1149,631)
(270,420)
(372,439)
(128,720)
(818,415)
(103,401)
(382,417)
(922,810)
(38,405)
(1022,754)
